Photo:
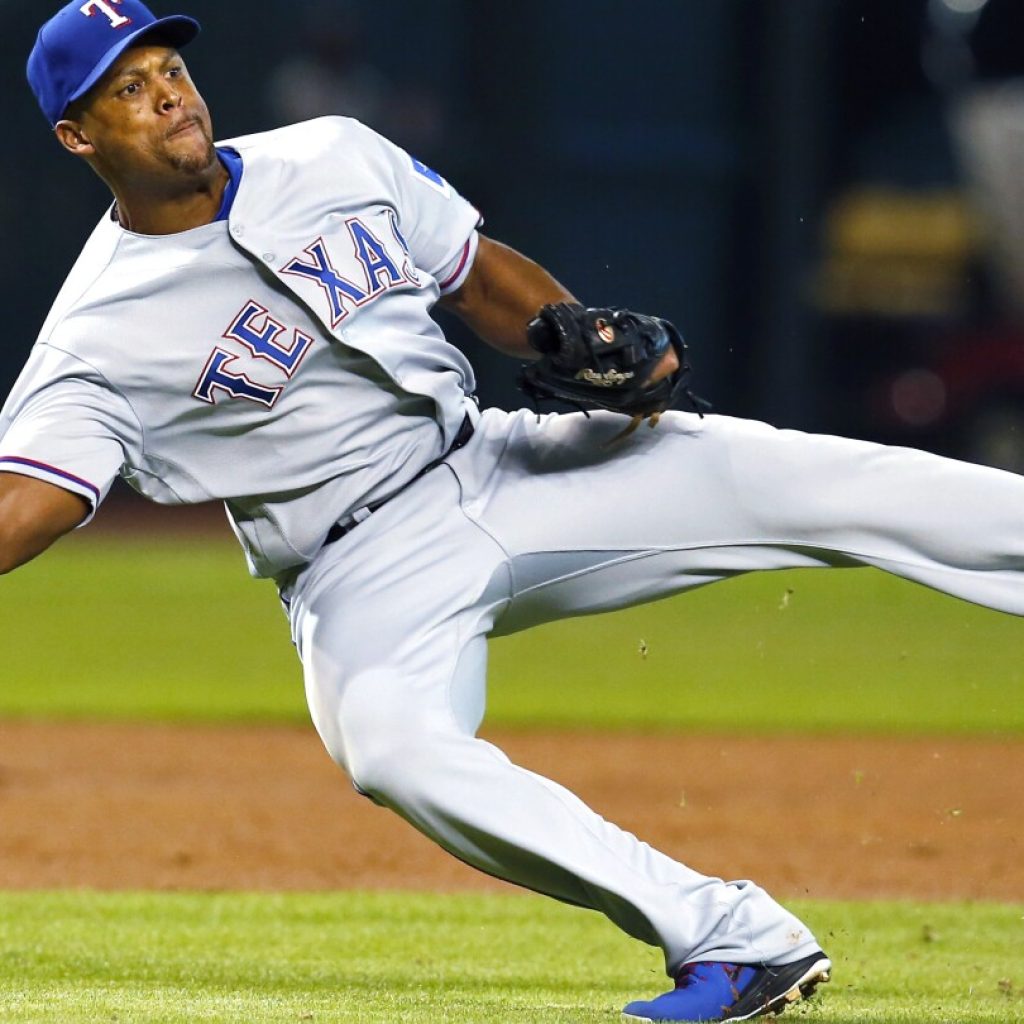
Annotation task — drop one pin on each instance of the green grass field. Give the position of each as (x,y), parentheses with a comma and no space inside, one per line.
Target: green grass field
(80,958)
(177,630)
(174,630)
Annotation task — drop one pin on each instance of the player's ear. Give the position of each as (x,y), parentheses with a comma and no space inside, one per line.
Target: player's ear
(73,137)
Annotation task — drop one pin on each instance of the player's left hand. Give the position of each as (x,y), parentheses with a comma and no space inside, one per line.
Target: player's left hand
(606,359)
(668,365)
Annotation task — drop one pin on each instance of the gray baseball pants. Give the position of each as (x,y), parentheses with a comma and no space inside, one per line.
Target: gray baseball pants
(538,520)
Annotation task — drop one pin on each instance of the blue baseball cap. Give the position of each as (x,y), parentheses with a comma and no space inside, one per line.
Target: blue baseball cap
(80,42)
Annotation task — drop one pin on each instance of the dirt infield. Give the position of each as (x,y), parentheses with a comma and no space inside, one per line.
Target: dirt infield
(171,807)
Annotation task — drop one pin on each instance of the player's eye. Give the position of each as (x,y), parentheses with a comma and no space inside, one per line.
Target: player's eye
(131,89)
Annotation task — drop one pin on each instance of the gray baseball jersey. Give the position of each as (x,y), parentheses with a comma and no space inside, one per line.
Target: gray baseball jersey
(282,360)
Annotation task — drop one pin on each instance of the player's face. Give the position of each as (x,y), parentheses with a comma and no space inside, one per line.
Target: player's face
(145,118)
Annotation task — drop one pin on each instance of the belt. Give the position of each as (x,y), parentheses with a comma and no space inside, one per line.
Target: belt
(349,523)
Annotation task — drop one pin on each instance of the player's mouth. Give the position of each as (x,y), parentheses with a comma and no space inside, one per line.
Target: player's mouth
(187,125)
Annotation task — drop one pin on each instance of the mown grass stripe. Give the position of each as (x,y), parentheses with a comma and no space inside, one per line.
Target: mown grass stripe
(174,629)
(92,958)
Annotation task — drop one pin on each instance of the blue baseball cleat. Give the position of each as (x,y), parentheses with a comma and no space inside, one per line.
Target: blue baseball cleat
(714,991)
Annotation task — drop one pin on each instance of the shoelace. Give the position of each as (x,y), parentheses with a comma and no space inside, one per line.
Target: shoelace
(688,976)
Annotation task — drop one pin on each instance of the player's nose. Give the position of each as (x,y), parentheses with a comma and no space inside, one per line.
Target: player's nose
(168,97)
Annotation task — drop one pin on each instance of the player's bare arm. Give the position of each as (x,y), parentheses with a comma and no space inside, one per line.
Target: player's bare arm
(33,514)
(504,292)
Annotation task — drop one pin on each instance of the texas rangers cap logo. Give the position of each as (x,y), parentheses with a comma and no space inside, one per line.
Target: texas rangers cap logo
(104,7)
(83,39)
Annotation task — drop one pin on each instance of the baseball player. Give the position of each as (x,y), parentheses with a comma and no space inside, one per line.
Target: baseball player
(249,322)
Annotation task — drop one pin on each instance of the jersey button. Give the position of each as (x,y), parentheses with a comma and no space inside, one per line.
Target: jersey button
(269,257)
(238,230)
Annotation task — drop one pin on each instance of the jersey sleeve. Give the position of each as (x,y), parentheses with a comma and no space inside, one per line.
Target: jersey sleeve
(65,425)
(437,224)
(451,277)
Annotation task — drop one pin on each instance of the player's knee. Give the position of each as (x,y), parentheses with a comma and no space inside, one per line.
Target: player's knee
(358,717)
(399,747)
(389,770)
(393,746)
(401,768)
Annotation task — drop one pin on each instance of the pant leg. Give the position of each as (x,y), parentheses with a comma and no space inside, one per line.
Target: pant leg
(590,524)
(391,624)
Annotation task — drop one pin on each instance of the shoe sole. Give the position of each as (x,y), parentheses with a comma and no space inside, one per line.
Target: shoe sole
(803,987)
(817,974)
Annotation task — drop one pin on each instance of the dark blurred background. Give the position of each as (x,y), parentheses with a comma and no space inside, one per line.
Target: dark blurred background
(824,194)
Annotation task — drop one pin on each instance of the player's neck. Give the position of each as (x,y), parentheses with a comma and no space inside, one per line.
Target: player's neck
(157,211)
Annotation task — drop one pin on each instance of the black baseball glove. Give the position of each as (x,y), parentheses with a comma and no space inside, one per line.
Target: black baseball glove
(602,359)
